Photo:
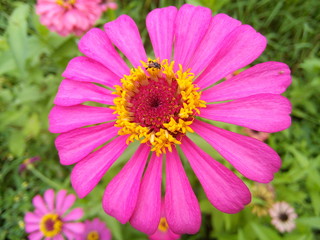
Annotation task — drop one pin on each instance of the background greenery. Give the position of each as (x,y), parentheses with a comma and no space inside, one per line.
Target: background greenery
(32,60)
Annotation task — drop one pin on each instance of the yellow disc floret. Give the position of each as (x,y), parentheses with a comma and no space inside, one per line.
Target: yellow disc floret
(50,225)
(157,105)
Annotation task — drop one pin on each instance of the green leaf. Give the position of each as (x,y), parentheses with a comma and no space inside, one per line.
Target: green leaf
(313,222)
(17,143)
(17,35)
(265,233)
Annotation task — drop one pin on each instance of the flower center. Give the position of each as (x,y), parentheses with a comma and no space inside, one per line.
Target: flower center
(50,225)
(93,235)
(66,3)
(283,217)
(163,225)
(156,105)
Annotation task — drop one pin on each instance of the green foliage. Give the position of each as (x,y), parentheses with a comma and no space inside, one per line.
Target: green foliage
(31,62)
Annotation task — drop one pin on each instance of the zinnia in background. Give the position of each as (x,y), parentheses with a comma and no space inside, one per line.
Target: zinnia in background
(70,16)
(95,230)
(159,101)
(283,217)
(52,218)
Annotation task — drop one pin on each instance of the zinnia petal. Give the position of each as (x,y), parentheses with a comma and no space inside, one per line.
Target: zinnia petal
(73,93)
(49,199)
(268,77)
(96,45)
(241,47)
(63,119)
(190,26)
(221,25)
(223,188)
(261,112)
(74,145)
(160,25)
(146,215)
(124,33)
(74,215)
(181,205)
(88,172)
(35,236)
(38,202)
(84,69)
(121,194)
(251,157)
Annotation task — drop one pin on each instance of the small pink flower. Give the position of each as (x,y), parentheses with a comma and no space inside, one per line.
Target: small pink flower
(27,162)
(69,16)
(283,216)
(51,218)
(157,102)
(95,230)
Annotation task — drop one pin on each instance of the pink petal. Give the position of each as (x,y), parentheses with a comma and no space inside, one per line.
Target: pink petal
(39,204)
(76,228)
(35,236)
(240,48)
(58,237)
(61,195)
(32,227)
(88,172)
(223,188)
(268,77)
(146,215)
(96,45)
(49,199)
(160,25)
(84,69)
(30,217)
(221,25)
(124,34)
(190,26)
(74,145)
(73,93)
(181,205)
(67,203)
(252,158)
(262,112)
(121,194)
(63,119)
(74,215)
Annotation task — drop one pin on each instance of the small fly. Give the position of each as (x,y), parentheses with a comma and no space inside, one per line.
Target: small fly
(152,64)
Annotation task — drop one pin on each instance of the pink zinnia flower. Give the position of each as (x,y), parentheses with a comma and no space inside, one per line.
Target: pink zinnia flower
(283,217)
(51,218)
(69,16)
(95,230)
(158,102)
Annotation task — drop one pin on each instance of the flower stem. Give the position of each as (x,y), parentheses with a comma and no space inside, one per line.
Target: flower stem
(43,177)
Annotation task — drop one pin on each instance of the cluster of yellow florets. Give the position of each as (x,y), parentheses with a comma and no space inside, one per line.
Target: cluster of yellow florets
(167,134)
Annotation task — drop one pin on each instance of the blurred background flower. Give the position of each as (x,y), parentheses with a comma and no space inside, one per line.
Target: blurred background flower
(95,230)
(52,217)
(283,216)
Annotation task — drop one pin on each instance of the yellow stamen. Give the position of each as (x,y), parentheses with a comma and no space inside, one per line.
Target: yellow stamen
(163,225)
(50,225)
(166,134)
(93,235)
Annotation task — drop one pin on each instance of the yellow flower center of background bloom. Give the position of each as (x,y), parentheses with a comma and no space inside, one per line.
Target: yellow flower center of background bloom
(93,235)
(163,225)
(50,225)
(66,3)
(156,105)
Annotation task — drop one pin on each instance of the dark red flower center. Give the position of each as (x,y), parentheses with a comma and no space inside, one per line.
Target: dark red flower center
(156,103)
